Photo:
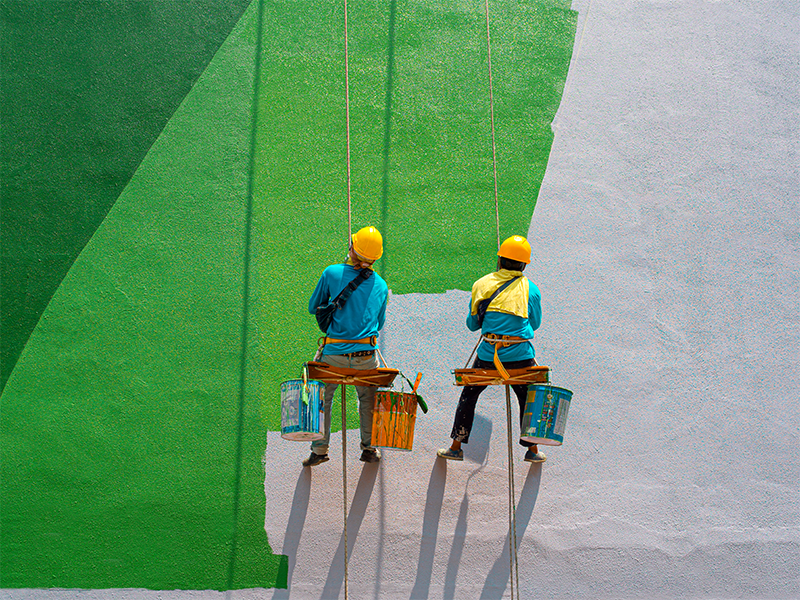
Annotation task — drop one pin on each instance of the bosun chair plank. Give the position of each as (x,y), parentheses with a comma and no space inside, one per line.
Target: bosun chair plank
(481,377)
(381,376)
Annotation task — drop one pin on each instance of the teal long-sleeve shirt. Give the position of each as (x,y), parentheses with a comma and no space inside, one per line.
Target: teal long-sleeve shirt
(362,316)
(504,324)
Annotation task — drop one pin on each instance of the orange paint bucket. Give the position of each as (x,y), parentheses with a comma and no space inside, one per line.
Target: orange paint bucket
(393,420)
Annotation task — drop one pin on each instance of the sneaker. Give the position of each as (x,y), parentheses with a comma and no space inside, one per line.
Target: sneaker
(315,459)
(370,455)
(535,457)
(450,454)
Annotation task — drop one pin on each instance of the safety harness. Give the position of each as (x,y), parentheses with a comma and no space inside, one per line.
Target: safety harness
(372,341)
(499,341)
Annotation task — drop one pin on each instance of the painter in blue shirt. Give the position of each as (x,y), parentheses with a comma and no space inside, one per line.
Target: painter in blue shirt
(513,311)
(351,339)
(362,316)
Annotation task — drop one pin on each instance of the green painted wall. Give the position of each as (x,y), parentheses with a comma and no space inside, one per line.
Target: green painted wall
(120,449)
(130,455)
(87,86)
(421,147)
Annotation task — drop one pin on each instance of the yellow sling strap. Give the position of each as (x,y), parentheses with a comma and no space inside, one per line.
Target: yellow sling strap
(502,341)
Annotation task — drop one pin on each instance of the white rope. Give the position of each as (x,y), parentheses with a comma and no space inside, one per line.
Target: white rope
(491,113)
(512,510)
(347,123)
(349,241)
(344,480)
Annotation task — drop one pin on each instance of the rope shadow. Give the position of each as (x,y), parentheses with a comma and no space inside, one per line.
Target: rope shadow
(241,398)
(387,138)
(430,529)
(294,528)
(498,577)
(355,516)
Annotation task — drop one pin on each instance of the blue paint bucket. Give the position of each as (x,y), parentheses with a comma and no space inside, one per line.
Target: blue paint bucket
(545,415)
(302,419)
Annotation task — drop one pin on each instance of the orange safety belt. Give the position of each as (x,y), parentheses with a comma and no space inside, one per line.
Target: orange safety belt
(372,341)
(502,341)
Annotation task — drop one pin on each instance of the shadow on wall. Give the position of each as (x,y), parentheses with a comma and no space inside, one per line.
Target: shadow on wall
(497,580)
(297,519)
(294,528)
(430,529)
(355,516)
(479,440)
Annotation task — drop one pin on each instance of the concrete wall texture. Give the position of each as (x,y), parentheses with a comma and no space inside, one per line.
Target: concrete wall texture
(173,183)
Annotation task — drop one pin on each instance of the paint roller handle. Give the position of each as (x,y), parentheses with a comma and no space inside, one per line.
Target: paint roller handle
(420,400)
(416,383)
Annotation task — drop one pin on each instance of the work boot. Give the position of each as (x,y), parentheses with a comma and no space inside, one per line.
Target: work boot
(535,457)
(370,455)
(315,459)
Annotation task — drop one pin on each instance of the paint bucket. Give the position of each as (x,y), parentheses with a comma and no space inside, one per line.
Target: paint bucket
(545,415)
(302,418)
(393,419)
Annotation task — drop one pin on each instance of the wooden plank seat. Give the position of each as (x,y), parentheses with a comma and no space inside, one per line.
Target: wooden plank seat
(481,377)
(381,376)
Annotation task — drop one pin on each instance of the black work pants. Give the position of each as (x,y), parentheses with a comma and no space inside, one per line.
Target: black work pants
(465,412)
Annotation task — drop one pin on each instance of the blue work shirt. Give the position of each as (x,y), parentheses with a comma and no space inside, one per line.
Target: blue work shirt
(362,316)
(501,323)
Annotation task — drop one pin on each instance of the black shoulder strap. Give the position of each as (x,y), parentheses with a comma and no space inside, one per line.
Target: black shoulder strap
(501,288)
(343,296)
(483,306)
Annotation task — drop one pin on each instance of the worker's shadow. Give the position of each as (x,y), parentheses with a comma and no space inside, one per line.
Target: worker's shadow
(294,528)
(355,516)
(497,580)
(476,451)
(430,528)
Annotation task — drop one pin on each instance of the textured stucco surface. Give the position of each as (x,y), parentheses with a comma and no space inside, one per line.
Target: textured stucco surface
(667,251)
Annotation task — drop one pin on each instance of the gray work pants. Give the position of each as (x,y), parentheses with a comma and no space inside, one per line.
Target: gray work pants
(366,399)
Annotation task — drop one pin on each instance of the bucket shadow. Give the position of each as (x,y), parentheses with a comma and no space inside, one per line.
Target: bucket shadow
(478,448)
(355,516)
(294,528)
(497,580)
(430,529)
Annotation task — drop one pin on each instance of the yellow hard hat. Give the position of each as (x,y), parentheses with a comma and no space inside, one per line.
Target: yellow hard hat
(368,243)
(516,248)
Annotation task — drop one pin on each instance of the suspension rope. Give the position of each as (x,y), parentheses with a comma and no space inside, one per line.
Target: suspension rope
(512,509)
(347,124)
(491,114)
(349,241)
(344,480)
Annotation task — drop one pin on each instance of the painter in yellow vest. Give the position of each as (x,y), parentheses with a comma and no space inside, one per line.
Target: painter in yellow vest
(511,316)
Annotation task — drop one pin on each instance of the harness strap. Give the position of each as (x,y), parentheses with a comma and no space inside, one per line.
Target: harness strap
(372,341)
(502,341)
